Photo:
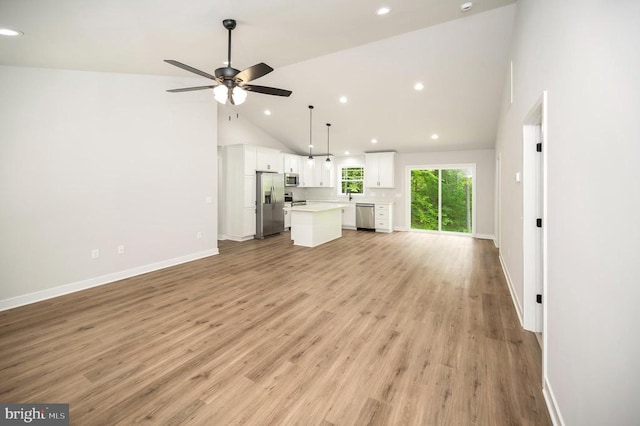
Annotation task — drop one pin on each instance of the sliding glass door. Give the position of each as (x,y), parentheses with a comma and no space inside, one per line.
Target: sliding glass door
(442,198)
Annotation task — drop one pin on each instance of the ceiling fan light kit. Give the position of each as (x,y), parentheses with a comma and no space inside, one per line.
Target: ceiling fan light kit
(237,95)
(231,84)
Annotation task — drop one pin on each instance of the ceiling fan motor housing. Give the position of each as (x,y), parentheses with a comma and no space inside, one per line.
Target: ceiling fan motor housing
(226,73)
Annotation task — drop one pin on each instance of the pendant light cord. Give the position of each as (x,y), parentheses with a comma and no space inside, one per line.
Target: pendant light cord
(310,132)
(328,151)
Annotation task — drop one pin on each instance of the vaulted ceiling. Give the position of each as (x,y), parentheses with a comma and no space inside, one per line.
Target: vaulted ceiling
(320,49)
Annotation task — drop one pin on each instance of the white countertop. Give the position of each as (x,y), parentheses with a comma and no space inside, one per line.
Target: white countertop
(352,202)
(316,207)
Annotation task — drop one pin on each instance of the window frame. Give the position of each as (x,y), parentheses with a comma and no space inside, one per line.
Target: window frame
(439,167)
(340,174)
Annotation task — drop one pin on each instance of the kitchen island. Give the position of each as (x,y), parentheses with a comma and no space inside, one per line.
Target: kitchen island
(315,224)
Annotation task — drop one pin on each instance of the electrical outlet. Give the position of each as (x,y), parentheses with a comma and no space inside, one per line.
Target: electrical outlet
(121,249)
(208,199)
(199,235)
(95,253)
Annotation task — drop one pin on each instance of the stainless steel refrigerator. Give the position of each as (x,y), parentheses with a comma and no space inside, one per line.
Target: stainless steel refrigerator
(269,204)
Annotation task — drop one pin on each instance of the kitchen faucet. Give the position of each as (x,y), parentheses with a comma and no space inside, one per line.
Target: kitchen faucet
(349,194)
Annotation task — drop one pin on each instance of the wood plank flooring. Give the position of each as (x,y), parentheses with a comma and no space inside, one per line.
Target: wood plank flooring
(370,329)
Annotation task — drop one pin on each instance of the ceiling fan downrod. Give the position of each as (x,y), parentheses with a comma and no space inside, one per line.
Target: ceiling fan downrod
(229,24)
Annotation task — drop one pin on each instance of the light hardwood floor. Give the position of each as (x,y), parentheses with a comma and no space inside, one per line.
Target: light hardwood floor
(384,329)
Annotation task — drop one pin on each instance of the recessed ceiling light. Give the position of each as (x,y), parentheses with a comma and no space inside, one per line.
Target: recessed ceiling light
(418,86)
(343,99)
(10,33)
(434,136)
(383,10)
(346,153)
(465,7)
(267,112)
(374,140)
(310,146)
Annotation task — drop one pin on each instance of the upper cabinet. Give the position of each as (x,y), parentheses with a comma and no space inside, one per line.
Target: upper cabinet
(291,163)
(323,175)
(379,169)
(268,160)
(315,174)
(306,173)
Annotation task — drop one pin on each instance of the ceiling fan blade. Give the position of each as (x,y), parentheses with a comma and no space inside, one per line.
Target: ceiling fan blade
(254,72)
(190,69)
(266,90)
(189,89)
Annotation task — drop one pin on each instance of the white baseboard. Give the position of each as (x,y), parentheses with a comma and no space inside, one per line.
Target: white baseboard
(485,236)
(481,236)
(49,293)
(552,404)
(514,296)
(234,238)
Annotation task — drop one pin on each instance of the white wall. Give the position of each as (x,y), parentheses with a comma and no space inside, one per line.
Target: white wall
(95,160)
(235,129)
(585,54)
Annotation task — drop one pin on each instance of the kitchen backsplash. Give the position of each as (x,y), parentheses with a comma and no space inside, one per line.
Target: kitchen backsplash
(332,194)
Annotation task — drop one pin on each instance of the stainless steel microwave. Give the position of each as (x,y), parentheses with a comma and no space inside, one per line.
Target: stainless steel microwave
(291,179)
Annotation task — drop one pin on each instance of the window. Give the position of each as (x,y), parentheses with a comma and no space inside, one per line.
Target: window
(352,180)
(442,199)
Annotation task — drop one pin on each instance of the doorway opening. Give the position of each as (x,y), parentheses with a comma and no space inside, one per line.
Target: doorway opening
(534,222)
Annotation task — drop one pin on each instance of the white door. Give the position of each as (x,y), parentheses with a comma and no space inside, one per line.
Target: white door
(534,221)
(539,236)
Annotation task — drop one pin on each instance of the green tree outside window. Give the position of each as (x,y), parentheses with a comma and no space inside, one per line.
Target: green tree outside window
(454,212)
(352,180)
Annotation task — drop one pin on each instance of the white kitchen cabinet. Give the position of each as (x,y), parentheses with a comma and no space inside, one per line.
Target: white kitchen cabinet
(379,169)
(268,160)
(291,163)
(249,192)
(349,216)
(249,158)
(240,192)
(384,217)
(307,172)
(287,219)
(248,222)
(322,176)
(316,174)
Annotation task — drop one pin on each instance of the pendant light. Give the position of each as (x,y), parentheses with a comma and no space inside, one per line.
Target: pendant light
(310,159)
(327,162)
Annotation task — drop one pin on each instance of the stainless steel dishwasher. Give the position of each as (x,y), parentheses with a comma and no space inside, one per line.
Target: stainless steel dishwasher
(366,216)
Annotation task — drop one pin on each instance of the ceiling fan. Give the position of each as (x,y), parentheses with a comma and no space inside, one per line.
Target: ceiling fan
(231,83)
